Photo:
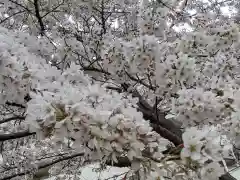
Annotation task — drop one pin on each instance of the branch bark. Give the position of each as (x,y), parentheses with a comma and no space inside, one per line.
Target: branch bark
(167,128)
(15,104)
(38,16)
(5,137)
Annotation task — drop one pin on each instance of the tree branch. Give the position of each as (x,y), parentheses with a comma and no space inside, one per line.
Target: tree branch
(15,104)
(9,17)
(167,128)
(39,18)
(12,118)
(20,5)
(165,133)
(5,137)
(41,166)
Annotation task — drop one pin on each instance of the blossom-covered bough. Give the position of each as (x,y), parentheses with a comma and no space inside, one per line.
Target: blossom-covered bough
(112,82)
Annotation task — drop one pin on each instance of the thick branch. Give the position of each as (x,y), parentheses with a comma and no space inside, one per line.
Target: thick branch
(15,104)
(5,137)
(167,128)
(227,177)
(157,117)
(176,140)
(95,70)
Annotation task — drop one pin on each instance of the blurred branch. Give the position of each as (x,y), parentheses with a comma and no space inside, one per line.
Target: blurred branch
(42,165)
(39,18)
(11,119)
(5,137)
(20,5)
(15,104)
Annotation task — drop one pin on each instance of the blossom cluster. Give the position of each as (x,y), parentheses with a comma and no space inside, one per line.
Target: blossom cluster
(203,150)
(71,111)
(196,74)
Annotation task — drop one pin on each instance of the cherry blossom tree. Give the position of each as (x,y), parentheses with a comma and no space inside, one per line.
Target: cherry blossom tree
(114,82)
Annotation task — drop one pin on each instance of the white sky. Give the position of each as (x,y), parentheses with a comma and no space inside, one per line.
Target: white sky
(227,11)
